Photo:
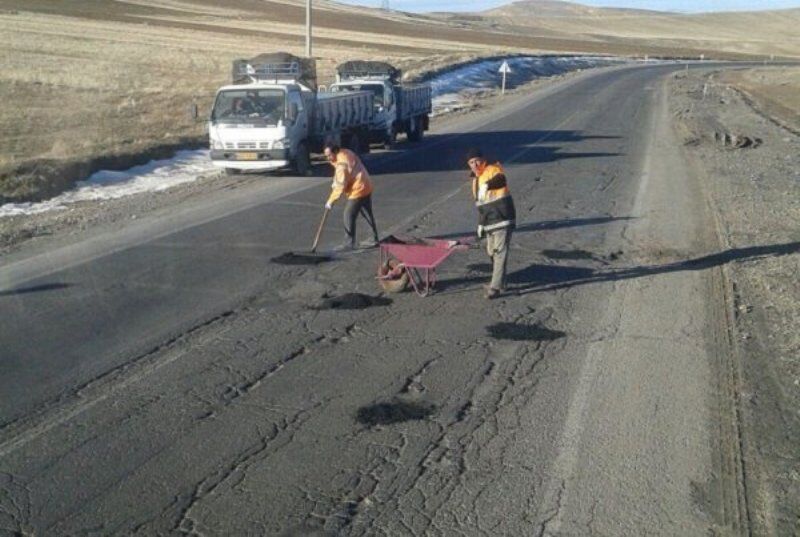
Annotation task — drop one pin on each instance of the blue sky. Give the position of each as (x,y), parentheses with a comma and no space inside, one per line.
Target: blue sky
(660,5)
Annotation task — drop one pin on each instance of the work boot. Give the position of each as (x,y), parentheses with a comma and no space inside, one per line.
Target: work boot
(491,292)
(369,243)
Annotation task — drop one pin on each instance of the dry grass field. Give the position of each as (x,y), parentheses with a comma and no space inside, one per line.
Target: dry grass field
(96,83)
(774,91)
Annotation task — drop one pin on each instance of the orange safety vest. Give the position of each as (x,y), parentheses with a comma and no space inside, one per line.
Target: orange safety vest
(350,177)
(493,199)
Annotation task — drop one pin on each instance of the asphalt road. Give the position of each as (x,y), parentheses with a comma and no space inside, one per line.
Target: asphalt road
(185,383)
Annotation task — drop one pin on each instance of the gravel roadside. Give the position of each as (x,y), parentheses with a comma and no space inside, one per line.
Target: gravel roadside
(751,172)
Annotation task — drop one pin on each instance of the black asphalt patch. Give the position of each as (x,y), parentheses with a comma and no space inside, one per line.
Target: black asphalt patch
(291,258)
(568,254)
(523,332)
(352,301)
(480,267)
(395,411)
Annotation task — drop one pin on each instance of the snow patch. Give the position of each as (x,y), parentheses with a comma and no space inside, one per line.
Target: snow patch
(454,89)
(155,176)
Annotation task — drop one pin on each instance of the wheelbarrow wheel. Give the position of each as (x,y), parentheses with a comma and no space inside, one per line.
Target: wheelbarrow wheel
(392,277)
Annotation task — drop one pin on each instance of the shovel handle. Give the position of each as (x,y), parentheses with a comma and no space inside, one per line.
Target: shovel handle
(319,230)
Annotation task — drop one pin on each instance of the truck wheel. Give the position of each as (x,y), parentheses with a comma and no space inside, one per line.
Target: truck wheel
(365,144)
(302,161)
(420,127)
(232,171)
(414,130)
(391,139)
(354,144)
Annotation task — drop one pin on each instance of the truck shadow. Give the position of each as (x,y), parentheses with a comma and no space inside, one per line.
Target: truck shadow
(446,152)
(537,278)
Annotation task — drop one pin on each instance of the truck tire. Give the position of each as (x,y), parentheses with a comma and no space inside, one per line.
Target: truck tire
(302,161)
(420,123)
(365,143)
(391,139)
(354,143)
(414,129)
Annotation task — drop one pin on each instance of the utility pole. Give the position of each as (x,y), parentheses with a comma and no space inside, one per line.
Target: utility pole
(308,28)
(385,5)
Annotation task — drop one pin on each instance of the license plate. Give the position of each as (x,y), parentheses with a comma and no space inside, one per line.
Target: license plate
(248,156)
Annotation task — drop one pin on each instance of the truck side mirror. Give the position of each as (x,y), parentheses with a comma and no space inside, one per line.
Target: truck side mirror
(293,111)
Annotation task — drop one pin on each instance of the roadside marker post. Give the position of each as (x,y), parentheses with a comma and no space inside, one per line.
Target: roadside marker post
(308,28)
(505,69)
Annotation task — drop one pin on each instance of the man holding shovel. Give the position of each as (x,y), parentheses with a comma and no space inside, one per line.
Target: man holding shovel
(351,179)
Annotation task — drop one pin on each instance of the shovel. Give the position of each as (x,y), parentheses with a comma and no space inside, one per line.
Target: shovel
(319,231)
(291,258)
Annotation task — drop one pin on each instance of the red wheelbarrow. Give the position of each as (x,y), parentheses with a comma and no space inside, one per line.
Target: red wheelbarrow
(414,260)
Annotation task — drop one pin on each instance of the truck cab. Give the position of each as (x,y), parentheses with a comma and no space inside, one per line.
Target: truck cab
(253,126)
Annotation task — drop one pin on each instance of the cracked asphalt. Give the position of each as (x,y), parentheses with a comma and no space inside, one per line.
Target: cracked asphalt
(184,384)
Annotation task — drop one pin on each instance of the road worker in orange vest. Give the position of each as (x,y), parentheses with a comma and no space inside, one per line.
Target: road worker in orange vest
(351,179)
(496,215)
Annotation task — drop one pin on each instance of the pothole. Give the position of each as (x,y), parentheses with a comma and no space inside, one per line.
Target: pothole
(568,254)
(394,411)
(480,267)
(352,301)
(523,332)
(291,258)
(735,141)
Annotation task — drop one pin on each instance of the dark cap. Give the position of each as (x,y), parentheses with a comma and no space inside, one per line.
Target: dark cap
(474,152)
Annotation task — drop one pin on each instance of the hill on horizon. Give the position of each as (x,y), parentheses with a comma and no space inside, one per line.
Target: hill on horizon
(763,32)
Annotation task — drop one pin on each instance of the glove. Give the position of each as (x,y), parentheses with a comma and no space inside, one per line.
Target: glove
(328,206)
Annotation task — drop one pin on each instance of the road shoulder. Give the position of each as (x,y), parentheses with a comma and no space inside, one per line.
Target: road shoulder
(752,190)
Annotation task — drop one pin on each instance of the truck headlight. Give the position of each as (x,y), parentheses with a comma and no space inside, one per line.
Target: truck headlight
(216,144)
(281,144)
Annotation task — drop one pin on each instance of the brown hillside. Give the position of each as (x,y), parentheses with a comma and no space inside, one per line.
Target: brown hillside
(758,33)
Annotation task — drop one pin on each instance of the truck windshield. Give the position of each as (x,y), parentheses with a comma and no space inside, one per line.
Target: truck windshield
(376,89)
(260,107)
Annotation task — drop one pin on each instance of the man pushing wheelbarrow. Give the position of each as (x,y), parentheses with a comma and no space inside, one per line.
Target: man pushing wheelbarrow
(496,215)
(415,261)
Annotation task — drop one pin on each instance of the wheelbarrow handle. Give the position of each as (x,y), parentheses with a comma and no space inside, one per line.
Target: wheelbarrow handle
(319,230)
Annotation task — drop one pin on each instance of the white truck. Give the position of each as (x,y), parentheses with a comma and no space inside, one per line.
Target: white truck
(399,108)
(273,117)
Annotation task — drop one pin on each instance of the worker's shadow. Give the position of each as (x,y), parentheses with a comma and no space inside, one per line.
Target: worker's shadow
(545,225)
(478,271)
(35,289)
(538,278)
(446,152)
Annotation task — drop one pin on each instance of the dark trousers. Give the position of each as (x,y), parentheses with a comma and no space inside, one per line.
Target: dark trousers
(351,210)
